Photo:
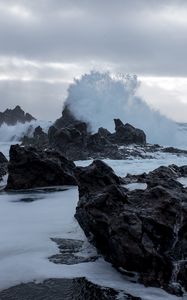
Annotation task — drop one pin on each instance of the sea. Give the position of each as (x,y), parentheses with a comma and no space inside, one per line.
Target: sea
(28,227)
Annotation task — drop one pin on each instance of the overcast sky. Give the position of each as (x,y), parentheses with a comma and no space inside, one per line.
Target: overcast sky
(44,44)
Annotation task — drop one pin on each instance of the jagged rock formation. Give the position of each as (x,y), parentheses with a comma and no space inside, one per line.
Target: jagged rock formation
(30,168)
(74,139)
(140,231)
(3,165)
(13,116)
(39,139)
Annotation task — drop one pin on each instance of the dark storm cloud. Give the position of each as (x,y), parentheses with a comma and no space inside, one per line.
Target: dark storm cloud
(139,36)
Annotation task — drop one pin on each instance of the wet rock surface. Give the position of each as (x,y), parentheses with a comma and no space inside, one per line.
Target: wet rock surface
(74,139)
(39,139)
(3,165)
(63,289)
(70,252)
(30,167)
(141,231)
(13,116)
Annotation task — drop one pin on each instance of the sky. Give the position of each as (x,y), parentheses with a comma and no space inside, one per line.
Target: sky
(45,44)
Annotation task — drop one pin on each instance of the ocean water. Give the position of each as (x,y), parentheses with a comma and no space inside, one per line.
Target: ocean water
(26,229)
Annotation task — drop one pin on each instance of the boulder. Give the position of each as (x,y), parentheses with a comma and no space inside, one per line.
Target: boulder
(13,116)
(30,167)
(97,175)
(139,231)
(72,140)
(127,134)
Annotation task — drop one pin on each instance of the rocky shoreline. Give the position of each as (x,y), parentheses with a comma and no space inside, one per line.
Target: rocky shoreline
(138,231)
(141,231)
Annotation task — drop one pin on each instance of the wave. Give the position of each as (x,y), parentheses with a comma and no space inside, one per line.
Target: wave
(16,132)
(98,98)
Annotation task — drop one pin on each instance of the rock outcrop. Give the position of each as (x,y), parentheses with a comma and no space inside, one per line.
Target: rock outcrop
(30,168)
(141,231)
(63,289)
(39,139)
(127,134)
(13,116)
(74,139)
(3,165)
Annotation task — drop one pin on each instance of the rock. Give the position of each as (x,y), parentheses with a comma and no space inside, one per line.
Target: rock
(127,134)
(174,150)
(39,139)
(74,139)
(30,168)
(63,289)
(13,116)
(3,165)
(97,175)
(70,140)
(140,231)
(3,159)
(70,252)
(67,119)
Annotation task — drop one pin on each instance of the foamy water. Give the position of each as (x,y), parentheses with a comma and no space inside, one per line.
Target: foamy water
(26,230)
(16,132)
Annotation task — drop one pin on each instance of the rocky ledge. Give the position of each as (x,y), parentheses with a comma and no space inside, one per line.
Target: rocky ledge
(13,116)
(30,168)
(140,232)
(74,139)
(63,289)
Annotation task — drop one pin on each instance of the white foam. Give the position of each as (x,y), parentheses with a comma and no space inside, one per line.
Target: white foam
(136,186)
(98,98)
(26,229)
(16,132)
(138,166)
(183,181)
(25,232)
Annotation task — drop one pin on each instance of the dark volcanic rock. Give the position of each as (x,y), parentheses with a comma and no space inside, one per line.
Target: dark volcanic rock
(29,168)
(70,252)
(67,119)
(127,134)
(3,159)
(13,116)
(97,175)
(74,139)
(3,165)
(63,289)
(140,231)
(70,140)
(39,139)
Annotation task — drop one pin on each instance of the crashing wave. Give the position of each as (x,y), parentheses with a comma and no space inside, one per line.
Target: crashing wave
(16,132)
(98,98)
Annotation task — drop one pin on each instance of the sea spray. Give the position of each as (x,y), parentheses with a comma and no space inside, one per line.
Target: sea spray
(98,98)
(16,132)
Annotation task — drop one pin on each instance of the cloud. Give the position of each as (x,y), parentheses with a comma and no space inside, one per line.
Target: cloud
(49,42)
(143,37)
